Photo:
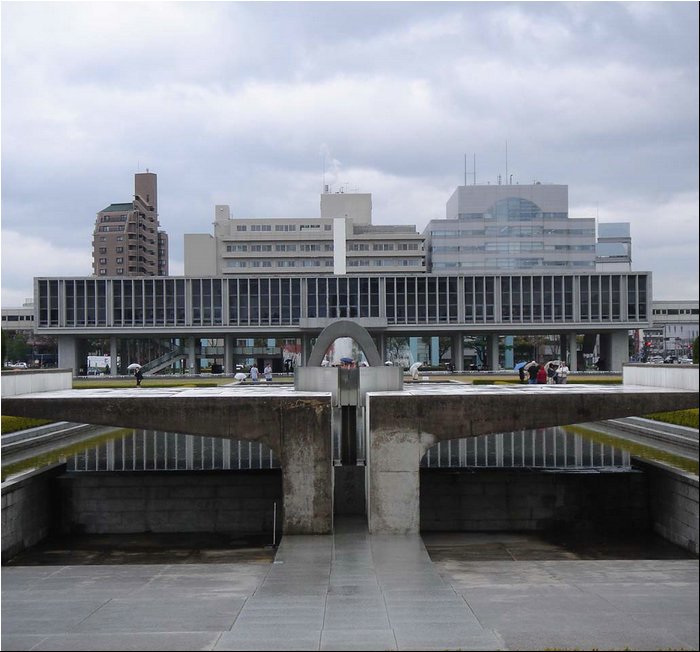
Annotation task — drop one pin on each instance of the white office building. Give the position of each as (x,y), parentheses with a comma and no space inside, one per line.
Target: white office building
(342,240)
(521,227)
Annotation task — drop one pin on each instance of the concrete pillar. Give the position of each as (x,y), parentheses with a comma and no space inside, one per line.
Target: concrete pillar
(191,356)
(509,356)
(68,353)
(572,352)
(380,339)
(229,343)
(458,351)
(305,348)
(413,346)
(493,352)
(393,494)
(113,348)
(305,458)
(614,349)
(434,351)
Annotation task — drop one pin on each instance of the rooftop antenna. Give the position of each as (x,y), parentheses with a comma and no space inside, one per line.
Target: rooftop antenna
(473,170)
(323,179)
(506,161)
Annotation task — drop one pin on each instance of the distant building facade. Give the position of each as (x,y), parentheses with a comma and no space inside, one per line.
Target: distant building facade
(520,227)
(19,319)
(675,325)
(342,240)
(613,252)
(127,240)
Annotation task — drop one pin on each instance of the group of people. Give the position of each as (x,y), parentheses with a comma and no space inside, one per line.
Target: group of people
(551,373)
(255,373)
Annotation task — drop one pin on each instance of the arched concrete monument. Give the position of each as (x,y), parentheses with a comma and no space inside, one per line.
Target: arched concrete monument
(344,328)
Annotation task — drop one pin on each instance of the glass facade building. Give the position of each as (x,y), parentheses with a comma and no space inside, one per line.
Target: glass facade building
(178,303)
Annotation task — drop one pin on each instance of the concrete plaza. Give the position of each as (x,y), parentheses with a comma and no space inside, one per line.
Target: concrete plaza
(355,591)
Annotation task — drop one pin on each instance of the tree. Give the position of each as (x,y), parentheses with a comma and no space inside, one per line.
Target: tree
(696,350)
(16,346)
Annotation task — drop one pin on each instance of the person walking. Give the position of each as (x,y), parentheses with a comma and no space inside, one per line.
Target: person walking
(139,377)
(532,372)
(254,374)
(541,376)
(268,373)
(562,373)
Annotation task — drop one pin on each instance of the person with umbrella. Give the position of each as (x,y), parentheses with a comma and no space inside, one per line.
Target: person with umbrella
(136,368)
(521,371)
(413,369)
(532,369)
(551,368)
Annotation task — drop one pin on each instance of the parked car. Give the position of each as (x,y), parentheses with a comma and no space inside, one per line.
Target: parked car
(18,365)
(685,360)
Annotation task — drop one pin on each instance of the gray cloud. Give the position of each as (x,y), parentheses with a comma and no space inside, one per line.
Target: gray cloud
(237,102)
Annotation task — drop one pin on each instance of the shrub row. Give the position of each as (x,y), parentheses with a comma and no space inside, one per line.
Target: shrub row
(13,424)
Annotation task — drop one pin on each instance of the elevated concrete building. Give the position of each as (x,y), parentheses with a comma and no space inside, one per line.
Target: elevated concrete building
(394,305)
(126,240)
(342,241)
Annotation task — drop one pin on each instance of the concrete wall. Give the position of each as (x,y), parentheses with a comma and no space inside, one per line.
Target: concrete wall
(674,506)
(671,376)
(124,502)
(28,510)
(200,255)
(401,429)
(297,428)
(35,380)
(507,499)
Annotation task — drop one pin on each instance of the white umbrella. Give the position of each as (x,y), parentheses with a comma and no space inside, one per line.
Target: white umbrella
(413,369)
(389,363)
(547,365)
(134,365)
(241,376)
(529,364)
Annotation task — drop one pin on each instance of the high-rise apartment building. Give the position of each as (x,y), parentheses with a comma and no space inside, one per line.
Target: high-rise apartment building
(342,240)
(126,240)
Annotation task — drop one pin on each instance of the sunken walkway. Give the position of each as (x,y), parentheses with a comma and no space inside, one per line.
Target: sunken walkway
(354,591)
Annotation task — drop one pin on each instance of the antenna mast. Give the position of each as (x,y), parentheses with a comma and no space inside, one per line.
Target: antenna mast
(506,161)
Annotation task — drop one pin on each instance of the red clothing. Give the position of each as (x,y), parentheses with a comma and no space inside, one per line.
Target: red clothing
(541,376)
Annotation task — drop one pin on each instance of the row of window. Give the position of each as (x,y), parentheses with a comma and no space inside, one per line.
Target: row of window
(312,262)
(385,262)
(407,300)
(513,232)
(282,227)
(511,247)
(309,247)
(513,264)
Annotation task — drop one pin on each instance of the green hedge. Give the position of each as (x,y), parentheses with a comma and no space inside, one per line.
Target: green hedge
(13,424)
(688,418)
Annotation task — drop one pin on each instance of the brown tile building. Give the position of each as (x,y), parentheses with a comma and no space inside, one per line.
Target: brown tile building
(126,240)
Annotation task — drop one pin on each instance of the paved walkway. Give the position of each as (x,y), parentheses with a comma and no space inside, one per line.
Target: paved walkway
(353,591)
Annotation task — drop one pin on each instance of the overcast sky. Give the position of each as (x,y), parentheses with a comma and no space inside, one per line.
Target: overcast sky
(241,104)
